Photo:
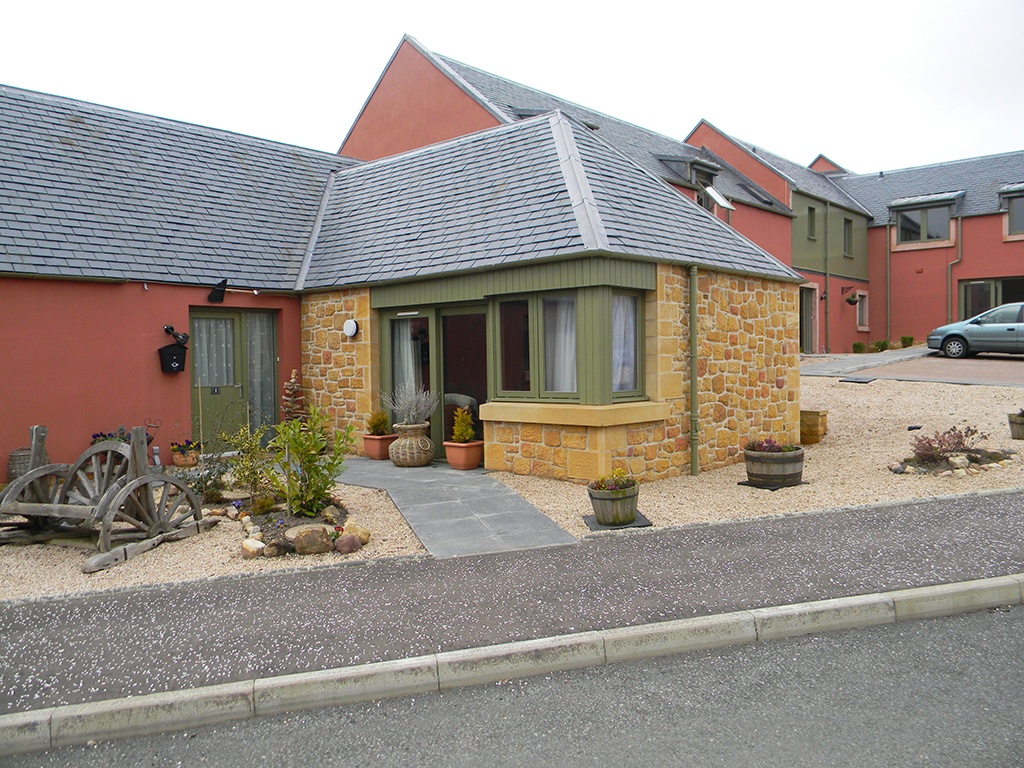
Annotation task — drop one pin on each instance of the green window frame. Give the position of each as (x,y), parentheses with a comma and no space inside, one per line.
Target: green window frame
(627,345)
(537,338)
(848,238)
(1015,212)
(922,225)
(812,223)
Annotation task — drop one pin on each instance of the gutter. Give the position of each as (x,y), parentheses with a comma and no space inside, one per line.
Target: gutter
(888,279)
(828,299)
(694,404)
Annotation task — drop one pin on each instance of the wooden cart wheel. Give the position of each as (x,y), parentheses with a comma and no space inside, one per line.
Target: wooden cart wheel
(38,486)
(146,507)
(102,466)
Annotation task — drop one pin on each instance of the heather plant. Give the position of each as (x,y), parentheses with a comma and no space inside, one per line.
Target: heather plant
(616,480)
(768,445)
(942,445)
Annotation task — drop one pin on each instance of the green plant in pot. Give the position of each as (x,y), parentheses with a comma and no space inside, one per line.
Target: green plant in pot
(773,465)
(1017,424)
(464,451)
(378,436)
(411,406)
(614,497)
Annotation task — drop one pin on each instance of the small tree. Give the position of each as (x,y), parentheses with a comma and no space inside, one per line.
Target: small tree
(308,469)
(251,465)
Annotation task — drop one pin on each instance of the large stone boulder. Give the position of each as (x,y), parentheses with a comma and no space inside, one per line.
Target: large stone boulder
(347,544)
(312,540)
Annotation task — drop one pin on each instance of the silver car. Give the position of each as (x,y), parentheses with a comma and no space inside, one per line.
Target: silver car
(997,330)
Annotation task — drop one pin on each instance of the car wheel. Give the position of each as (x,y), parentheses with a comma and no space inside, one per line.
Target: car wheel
(954,347)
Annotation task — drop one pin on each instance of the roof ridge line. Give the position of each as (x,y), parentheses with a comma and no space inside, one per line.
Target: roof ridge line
(307,257)
(581,196)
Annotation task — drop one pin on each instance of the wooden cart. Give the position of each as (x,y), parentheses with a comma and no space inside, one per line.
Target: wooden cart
(111,493)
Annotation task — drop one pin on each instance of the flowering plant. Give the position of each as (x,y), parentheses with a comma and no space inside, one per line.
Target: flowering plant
(616,480)
(186,445)
(768,445)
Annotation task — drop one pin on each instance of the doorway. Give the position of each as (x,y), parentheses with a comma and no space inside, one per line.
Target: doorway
(464,365)
(808,305)
(234,371)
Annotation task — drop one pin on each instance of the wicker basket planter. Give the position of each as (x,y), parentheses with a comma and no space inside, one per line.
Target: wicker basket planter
(774,469)
(1016,426)
(412,448)
(376,446)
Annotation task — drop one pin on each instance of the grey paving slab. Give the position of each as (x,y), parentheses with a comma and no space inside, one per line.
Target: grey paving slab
(454,512)
(844,364)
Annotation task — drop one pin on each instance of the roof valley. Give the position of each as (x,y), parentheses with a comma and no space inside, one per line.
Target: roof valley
(307,256)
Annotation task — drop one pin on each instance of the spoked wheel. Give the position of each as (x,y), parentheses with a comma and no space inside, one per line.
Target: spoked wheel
(144,508)
(96,471)
(38,486)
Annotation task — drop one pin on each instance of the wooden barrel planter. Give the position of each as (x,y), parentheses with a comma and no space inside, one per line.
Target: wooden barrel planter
(774,469)
(1016,426)
(615,507)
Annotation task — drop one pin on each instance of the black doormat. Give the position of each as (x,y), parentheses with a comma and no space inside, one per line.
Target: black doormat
(592,524)
(763,488)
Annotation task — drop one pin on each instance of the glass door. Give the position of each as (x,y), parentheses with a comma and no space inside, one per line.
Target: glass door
(464,365)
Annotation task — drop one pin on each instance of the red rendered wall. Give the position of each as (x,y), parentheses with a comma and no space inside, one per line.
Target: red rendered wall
(82,357)
(918,277)
(723,146)
(413,105)
(769,230)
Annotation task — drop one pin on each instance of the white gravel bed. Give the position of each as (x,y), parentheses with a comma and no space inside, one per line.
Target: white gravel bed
(867,430)
(32,571)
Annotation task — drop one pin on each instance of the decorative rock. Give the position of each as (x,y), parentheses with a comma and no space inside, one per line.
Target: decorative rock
(278,547)
(947,473)
(257,535)
(959,473)
(292,533)
(217,512)
(355,529)
(897,468)
(347,543)
(332,514)
(313,540)
(959,462)
(252,548)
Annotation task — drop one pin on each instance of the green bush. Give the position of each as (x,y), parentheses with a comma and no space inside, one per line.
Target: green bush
(858,347)
(907,341)
(308,469)
(462,429)
(377,423)
(251,465)
(881,345)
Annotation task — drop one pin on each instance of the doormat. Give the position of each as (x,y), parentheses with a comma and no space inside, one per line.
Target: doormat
(592,524)
(763,488)
(857,380)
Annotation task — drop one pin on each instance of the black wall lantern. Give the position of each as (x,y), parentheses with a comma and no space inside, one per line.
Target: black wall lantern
(172,356)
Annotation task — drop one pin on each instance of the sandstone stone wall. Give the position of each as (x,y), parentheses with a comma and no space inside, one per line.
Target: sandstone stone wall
(341,375)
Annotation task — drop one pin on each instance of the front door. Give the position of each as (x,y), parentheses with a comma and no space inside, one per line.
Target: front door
(807,319)
(234,372)
(464,365)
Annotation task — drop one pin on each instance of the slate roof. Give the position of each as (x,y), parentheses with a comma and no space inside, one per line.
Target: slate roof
(535,189)
(980,179)
(514,101)
(88,191)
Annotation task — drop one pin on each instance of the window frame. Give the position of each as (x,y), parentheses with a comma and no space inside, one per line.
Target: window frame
(923,239)
(812,223)
(1014,218)
(639,334)
(848,238)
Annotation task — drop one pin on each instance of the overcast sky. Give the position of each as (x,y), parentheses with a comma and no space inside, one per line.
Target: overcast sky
(872,85)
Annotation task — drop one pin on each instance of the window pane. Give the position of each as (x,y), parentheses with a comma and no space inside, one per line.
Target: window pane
(847,237)
(910,226)
(624,353)
(213,350)
(560,344)
(262,368)
(410,352)
(1002,315)
(812,230)
(862,310)
(1017,215)
(515,346)
(938,223)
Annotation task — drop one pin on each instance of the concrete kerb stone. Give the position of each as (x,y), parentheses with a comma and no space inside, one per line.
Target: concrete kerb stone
(36,730)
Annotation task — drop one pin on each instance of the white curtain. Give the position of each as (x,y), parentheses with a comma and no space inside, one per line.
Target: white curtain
(405,355)
(262,368)
(624,364)
(213,352)
(560,344)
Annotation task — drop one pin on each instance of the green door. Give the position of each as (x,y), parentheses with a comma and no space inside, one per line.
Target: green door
(234,368)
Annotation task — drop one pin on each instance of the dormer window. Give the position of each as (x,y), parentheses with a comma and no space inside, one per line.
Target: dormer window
(924,220)
(1011,200)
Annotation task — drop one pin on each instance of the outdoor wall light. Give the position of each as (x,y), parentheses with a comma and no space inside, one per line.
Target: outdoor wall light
(350,328)
(180,338)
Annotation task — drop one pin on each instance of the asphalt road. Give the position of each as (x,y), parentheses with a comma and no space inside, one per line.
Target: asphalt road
(942,692)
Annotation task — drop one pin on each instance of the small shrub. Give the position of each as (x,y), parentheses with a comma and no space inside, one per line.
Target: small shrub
(945,444)
(251,464)
(858,347)
(616,480)
(768,445)
(881,345)
(377,423)
(462,429)
(906,341)
(410,404)
(308,469)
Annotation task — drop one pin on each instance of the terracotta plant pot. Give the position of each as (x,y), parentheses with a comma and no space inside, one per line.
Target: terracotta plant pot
(189,459)
(376,446)
(615,507)
(774,469)
(464,455)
